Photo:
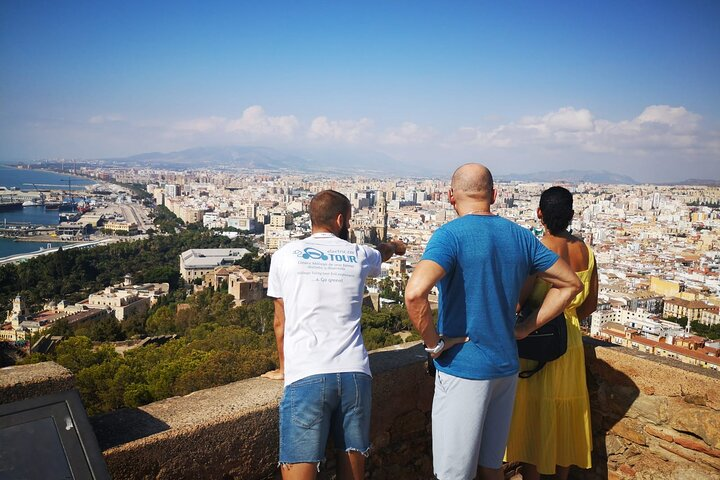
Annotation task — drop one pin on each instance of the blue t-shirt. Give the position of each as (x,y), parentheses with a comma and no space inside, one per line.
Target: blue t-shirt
(486,259)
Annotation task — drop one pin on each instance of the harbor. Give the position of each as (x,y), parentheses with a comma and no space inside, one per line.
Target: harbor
(43,210)
(28,231)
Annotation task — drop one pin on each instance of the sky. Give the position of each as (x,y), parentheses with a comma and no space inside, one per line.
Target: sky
(521,86)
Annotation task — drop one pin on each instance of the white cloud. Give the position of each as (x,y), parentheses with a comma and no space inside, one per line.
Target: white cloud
(570,120)
(252,125)
(201,125)
(350,131)
(407,133)
(256,122)
(666,115)
(658,127)
(100,119)
(660,136)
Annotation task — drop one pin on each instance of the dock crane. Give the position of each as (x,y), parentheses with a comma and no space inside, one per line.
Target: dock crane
(42,195)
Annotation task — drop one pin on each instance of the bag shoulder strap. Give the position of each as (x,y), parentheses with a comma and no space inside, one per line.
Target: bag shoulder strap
(530,373)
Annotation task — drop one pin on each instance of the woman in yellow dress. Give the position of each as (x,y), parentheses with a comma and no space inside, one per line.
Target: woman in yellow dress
(550,429)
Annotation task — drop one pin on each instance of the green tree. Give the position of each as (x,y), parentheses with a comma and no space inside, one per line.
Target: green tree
(60,328)
(378,338)
(134,325)
(682,321)
(137,394)
(390,290)
(161,274)
(77,353)
(162,321)
(708,331)
(221,367)
(260,316)
(254,263)
(107,329)
(97,386)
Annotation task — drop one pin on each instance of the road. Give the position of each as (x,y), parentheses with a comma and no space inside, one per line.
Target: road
(20,257)
(136,214)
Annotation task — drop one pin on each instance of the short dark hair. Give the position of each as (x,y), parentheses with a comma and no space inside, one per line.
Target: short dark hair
(556,205)
(326,206)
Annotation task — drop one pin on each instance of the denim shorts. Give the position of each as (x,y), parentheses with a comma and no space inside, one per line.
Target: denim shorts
(315,406)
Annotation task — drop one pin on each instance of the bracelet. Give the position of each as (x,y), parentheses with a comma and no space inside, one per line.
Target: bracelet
(438,348)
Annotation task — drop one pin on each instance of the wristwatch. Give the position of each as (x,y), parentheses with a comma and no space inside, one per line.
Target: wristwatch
(438,348)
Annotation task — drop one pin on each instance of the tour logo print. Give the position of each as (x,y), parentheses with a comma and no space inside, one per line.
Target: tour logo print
(311,253)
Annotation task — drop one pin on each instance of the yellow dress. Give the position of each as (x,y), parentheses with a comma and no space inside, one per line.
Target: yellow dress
(551,418)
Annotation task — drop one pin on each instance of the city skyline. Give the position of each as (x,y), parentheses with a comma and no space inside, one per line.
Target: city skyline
(519,86)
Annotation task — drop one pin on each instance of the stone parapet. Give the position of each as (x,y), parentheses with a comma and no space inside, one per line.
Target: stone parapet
(232,431)
(652,417)
(22,382)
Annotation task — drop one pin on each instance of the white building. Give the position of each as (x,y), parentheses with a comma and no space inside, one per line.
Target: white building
(242,223)
(125,299)
(710,318)
(195,263)
(645,323)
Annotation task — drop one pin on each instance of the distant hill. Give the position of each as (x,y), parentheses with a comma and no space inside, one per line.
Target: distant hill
(696,182)
(570,176)
(347,161)
(205,157)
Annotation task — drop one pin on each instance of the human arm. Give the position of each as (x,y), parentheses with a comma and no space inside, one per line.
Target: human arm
(279,328)
(525,291)
(426,274)
(388,249)
(590,303)
(565,284)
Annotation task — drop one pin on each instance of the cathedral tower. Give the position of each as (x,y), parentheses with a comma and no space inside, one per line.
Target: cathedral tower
(381,218)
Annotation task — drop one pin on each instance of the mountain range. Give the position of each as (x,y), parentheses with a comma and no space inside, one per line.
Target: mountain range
(205,157)
(347,161)
(265,158)
(571,176)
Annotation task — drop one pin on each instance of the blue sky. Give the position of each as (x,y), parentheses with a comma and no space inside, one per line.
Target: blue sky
(630,87)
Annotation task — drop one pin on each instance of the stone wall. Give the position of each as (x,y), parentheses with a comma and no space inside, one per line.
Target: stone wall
(30,381)
(652,418)
(231,432)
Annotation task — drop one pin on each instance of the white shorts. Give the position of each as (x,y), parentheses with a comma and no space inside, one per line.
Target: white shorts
(470,424)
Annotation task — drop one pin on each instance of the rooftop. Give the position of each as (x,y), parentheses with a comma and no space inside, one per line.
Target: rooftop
(210,257)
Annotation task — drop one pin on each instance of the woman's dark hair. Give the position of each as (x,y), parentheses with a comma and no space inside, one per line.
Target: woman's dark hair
(556,205)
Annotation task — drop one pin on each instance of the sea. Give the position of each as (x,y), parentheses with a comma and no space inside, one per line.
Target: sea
(27,180)
(23,179)
(10,247)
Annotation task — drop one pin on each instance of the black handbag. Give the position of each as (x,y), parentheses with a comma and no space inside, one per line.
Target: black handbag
(545,344)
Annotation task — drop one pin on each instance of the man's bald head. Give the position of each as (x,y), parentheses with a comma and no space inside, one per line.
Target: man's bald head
(473,180)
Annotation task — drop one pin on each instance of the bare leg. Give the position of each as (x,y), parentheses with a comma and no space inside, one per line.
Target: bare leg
(562,472)
(299,471)
(491,473)
(350,465)
(530,472)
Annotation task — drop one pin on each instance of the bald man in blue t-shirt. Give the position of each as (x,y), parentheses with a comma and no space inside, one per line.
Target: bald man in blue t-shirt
(479,262)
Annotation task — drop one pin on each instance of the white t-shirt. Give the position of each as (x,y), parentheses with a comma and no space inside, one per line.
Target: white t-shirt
(321,280)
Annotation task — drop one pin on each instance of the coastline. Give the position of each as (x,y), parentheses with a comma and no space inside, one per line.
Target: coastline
(31,232)
(19,257)
(48,170)
(15,167)
(41,239)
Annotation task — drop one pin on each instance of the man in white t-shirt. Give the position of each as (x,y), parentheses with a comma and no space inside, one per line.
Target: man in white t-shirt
(318,285)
